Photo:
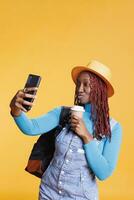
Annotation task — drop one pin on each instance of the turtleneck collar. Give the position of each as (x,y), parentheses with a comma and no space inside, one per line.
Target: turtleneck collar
(87,107)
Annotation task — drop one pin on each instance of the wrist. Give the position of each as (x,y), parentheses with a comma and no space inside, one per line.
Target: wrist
(87,138)
(15,114)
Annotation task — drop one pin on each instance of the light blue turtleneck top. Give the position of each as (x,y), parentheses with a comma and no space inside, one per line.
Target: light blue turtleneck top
(101,155)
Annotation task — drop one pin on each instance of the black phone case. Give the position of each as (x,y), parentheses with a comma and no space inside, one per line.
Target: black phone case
(32,81)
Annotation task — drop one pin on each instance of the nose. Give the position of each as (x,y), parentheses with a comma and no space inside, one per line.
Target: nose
(80,89)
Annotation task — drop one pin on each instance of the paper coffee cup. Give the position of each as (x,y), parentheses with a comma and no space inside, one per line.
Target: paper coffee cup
(78,111)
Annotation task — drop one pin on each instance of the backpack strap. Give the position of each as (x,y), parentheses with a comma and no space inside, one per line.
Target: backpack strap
(65,111)
(63,119)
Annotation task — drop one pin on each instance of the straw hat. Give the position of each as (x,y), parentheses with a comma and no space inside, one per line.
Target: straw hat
(97,68)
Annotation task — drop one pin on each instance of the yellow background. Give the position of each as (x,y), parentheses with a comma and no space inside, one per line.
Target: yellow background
(49,37)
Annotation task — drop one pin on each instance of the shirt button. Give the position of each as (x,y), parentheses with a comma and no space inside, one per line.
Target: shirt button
(71,150)
(60,192)
(60,182)
(67,161)
(62,172)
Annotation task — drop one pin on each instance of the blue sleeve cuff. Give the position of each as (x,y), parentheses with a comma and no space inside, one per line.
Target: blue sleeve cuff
(93,144)
(22,114)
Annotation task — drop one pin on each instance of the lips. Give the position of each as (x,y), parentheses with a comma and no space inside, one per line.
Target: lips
(80,96)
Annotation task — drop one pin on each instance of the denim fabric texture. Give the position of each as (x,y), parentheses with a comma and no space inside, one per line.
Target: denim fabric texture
(68,175)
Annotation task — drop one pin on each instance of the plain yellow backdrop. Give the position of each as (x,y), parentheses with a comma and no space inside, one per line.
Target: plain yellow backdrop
(49,38)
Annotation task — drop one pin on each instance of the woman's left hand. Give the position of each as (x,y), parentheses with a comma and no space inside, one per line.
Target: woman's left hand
(78,126)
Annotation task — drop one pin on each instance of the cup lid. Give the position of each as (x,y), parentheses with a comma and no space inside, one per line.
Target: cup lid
(78,108)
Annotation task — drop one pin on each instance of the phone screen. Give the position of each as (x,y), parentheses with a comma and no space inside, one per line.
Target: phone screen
(32,81)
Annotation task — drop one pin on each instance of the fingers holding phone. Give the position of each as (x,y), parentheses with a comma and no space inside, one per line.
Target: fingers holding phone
(19,102)
(29,96)
(30,88)
(23,100)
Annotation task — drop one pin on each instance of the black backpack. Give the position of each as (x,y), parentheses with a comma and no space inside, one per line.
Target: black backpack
(43,150)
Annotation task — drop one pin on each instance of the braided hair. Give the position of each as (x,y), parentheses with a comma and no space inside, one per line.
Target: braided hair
(99,106)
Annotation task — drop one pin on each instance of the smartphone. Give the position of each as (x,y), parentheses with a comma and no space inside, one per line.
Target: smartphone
(32,81)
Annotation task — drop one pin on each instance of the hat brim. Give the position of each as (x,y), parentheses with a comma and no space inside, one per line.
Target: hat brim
(78,69)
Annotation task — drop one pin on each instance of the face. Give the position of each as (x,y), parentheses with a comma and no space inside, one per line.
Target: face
(83,88)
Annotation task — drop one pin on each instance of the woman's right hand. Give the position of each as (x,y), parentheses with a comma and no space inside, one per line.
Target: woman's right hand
(18,101)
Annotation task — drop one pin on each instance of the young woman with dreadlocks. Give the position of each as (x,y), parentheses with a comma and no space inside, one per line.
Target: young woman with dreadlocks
(87,151)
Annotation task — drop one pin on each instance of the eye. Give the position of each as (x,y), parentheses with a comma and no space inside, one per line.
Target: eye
(86,84)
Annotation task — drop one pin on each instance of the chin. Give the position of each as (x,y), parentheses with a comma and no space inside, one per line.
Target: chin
(81,103)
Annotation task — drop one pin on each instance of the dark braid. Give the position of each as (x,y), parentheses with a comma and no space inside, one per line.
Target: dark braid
(99,107)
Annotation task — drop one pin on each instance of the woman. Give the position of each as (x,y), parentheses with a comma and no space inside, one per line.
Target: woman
(90,149)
